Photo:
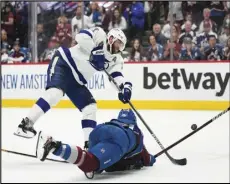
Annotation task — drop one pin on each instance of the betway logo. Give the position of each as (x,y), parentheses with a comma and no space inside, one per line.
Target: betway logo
(179,78)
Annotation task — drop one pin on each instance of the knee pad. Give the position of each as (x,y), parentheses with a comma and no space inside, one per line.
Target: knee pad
(89,112)
(52,96)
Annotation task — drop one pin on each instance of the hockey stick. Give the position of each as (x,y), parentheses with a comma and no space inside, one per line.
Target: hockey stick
(28,155)
(193,132)
(175,161)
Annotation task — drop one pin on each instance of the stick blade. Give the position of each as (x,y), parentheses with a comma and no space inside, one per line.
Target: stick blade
(181,162)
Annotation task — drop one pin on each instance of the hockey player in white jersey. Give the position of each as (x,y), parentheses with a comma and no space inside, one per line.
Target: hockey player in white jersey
(69,71)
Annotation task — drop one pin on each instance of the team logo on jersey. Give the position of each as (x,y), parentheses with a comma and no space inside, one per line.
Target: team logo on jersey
(123,115)
(102,150)
(114,59)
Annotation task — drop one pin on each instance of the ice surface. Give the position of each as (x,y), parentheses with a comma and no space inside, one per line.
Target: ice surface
(207,151)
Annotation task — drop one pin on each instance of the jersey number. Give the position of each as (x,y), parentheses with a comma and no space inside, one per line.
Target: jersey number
(53,66)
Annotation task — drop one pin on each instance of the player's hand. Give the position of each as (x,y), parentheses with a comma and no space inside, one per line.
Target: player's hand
(97,58)
(147,159)
(126,93)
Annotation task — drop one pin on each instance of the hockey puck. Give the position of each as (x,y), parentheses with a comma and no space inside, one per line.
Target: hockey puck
(194,127)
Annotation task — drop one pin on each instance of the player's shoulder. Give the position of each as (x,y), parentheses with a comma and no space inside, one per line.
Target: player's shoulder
(99,35)
(94,32)
(93,36)
(98,31)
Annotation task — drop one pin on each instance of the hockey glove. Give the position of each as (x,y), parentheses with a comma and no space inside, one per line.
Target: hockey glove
(97,58)
(126,92)
(152,160)
(148,159)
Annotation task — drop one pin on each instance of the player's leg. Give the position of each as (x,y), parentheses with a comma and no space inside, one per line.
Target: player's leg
(72,154)
(85,102)
(57,75)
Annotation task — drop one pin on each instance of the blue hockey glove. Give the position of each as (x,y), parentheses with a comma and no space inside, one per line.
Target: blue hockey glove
(97,58)
(152,160)
(126,93)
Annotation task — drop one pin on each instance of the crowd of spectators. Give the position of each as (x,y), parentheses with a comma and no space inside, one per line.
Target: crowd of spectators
(200,30)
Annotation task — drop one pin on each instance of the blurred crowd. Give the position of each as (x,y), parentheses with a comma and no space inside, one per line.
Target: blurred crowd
(200,30)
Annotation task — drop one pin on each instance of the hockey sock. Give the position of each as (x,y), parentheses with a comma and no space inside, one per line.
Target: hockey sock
(88,126)
(50,98)
(89,119)
(87,162)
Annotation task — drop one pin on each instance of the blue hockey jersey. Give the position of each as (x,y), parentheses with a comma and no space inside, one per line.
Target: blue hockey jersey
(135,137)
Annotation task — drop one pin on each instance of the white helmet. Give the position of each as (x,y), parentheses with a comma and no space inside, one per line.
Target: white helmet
(116,34)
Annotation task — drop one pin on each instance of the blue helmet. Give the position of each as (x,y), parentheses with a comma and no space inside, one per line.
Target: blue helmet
(127,116)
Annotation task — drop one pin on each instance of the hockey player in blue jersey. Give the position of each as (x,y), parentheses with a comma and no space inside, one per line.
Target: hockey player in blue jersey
(69,71)
(116,145)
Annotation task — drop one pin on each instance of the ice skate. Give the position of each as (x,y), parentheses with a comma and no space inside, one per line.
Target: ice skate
(45,145)
(25,129)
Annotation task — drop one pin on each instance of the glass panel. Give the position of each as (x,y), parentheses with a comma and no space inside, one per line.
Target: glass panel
(155,30)
(55,27)
(15,39)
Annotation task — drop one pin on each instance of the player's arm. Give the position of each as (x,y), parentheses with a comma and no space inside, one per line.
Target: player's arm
(91,41)
(85,40)
(126,87)
(143,159)
(147,158)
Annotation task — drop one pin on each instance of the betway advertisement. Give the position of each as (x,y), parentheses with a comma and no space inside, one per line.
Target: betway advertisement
(196,81)
(151,81)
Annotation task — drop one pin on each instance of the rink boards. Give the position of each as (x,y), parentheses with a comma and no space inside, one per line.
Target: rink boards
(159,85)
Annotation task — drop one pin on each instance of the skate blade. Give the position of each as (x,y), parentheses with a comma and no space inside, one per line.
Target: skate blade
(27,135)
(39,147)
(40,152)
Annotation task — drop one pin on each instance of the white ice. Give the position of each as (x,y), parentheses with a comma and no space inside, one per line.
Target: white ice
(207,151)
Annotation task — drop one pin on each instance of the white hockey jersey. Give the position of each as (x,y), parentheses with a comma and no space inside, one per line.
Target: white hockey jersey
(77,57)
